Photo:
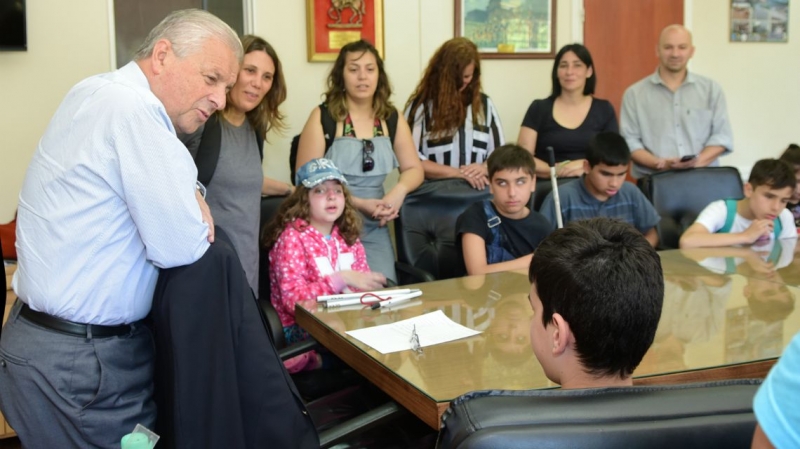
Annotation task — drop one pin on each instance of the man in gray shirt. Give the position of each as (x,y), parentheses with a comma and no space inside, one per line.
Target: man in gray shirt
(674,119)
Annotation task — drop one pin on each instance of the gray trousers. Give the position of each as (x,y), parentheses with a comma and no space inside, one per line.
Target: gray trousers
(58,390)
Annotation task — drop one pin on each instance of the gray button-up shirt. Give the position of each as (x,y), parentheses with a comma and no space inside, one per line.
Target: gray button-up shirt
(675,124)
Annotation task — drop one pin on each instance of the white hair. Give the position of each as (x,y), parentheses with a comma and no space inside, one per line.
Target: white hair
(188,30)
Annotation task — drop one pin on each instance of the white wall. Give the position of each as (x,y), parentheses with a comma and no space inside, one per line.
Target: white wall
(70,40)
(67,41)
(760,81)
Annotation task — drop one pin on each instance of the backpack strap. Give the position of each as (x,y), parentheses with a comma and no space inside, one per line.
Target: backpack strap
(730,205)
(208,152)
(495,252)
(328,125)
(260,143)
(391,122)
(487,118)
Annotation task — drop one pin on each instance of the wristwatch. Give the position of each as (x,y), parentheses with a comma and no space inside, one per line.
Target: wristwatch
(200,188)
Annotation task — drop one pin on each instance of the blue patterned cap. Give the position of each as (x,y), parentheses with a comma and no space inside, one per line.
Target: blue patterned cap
(317,171)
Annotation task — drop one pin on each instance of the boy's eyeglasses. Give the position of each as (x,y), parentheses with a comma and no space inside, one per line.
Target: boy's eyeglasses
(367,163)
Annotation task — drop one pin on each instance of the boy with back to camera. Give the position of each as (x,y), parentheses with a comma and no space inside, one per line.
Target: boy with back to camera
(590,265)
(760,216)
(500,234)
(603,192)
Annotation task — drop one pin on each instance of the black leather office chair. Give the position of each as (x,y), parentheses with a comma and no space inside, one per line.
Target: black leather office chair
(705,415)
(680,195)
(311,385)
(340,401)
(425,230)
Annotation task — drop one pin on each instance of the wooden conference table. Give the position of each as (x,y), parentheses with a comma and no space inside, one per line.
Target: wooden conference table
(727,314)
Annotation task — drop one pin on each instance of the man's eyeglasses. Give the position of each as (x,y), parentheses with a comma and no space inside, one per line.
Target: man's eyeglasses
(367,163)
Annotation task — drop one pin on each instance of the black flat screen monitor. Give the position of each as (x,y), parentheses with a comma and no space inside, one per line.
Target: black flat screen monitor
(13,32)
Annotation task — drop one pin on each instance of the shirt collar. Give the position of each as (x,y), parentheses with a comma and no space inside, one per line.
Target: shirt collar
(305,227)
(134,74)
(655,78)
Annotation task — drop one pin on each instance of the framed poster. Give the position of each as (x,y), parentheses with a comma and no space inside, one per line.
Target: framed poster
(759,21)
(332,24)
(508,29)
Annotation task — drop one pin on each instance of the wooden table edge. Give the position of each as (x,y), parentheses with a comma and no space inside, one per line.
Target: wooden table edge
(408,396)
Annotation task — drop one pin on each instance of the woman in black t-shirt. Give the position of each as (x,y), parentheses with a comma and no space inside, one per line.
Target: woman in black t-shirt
(569,117)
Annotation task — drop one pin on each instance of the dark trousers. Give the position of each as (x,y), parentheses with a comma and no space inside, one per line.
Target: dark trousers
(63,391)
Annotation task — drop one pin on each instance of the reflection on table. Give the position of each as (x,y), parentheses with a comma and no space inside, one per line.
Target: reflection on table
(717,323)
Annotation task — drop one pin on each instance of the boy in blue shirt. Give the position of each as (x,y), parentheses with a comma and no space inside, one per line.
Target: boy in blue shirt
(602,190)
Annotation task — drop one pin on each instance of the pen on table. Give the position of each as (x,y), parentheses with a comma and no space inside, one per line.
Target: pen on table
(341,296)
(358,298)
(396,300)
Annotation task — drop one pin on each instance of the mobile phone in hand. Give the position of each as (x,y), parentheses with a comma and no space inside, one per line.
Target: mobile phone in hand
(688,158)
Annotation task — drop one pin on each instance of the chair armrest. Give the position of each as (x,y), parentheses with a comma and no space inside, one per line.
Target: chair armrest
(413,275)
(298,348)
(360,423)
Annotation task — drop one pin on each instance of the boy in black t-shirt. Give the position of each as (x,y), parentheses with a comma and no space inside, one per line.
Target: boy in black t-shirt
(501,234)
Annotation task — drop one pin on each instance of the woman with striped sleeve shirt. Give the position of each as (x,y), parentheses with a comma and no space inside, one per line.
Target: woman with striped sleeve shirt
(455,126)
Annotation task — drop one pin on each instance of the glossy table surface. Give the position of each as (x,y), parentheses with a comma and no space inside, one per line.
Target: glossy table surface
(728,313)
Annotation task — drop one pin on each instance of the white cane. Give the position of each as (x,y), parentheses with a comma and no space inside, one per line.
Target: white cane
(554,182)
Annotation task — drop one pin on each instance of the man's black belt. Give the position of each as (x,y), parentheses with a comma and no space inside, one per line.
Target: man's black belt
(71,328)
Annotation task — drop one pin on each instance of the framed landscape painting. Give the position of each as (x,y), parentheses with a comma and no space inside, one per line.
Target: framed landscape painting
(508,29)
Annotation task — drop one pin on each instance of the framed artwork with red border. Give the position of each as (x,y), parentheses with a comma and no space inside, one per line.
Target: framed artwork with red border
(508,29)
(331,24)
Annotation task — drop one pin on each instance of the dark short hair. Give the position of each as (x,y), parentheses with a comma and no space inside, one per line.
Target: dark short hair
(608,148)
(583,54)
(791,155)
(511,157)
(774,173)
(606,280)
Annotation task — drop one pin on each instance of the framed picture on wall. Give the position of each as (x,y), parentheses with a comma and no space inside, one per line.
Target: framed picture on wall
(508,29)
(332,24)
(759,21)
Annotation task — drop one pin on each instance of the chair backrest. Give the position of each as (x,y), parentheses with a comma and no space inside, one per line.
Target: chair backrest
(680,195)
(704,415)
(269,207)
(543,188)
(425,229)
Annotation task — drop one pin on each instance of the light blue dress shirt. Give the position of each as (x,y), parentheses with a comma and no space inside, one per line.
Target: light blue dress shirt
(675,124)
(777,403)
(108,197)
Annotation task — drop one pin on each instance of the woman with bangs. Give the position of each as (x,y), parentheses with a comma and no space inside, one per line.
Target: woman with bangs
(569,118)
(454,125)
(370,140)
(228,151)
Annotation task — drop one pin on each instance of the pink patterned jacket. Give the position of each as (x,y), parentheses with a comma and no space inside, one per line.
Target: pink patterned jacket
(302,267)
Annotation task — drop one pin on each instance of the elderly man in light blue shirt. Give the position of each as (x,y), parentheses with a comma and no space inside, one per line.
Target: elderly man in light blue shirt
(109,197)
(674,119)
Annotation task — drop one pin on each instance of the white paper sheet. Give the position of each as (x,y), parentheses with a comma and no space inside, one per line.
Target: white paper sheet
(432,328)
